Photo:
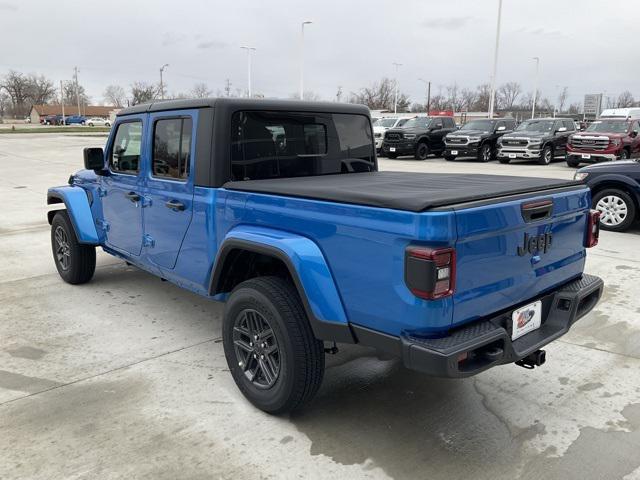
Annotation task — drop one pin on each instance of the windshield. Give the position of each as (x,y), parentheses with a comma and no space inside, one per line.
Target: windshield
(536,126)
(418,122)
(609,126)
(484,125)
(385,122)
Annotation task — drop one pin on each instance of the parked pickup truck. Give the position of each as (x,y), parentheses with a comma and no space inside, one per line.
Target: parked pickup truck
(477,139)
(541,139)
(604,140)
(278,209)
(419,137)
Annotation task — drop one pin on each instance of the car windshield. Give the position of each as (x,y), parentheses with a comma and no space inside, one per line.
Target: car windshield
(418,122)
(386,122)
(536,126)
(609,126)
(484,125)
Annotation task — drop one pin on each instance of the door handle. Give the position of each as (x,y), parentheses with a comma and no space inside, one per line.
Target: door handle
(133,196)
(174,205)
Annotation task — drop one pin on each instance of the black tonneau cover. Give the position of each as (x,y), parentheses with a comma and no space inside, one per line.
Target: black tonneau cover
(414,192)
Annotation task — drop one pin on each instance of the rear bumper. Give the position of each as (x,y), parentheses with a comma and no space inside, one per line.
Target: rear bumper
(486,343)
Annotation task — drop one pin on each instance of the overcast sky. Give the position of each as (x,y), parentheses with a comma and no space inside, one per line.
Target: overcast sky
(589,46)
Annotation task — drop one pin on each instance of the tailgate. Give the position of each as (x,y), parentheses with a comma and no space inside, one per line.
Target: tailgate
(499,265)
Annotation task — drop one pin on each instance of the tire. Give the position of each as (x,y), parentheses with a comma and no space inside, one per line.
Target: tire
(624,154)
(546,156)
(618,210)
(272,304)
(449,158)
(485,153)
(504,160)
(392,155)
(422,151)
(91,124)
(573,163)
(74,261)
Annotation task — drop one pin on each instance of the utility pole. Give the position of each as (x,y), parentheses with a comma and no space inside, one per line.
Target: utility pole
(535,88)
(492,95)
(162,84)
(249,50)
(62,101)
(306,22)
(339,93)
(395,95)
(227,87)
(75,69)
(428,84)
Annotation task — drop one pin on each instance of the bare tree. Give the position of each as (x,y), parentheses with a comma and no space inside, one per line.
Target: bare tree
(16,84)
(574,108)
(417,108)
(40,89)
(454,100)
(142,92)
(482,99)
(438,102)
(507,94)
(115,95)
(200,90)
(5,101)
(381,96)
(625,99)
(71,96)
(562,98)
(469,98)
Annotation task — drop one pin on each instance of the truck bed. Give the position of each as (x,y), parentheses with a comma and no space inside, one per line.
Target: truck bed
(410,191)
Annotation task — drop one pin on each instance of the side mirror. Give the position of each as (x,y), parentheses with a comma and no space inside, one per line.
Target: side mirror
(562,129)
(94,159)
(501,128)
(634,133)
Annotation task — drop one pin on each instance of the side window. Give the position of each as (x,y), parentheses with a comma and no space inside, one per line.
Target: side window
(125,152)
(171,148)
(437,123)
(570,125)
(635,127)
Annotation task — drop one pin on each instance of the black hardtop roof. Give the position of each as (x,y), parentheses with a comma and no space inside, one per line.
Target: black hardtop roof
(246,104)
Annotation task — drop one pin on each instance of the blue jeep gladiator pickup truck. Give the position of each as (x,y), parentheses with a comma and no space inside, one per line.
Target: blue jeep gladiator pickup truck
(278,209)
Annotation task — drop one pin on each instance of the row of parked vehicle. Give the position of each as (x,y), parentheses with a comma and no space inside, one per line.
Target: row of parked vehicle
(613,136)
(75,120)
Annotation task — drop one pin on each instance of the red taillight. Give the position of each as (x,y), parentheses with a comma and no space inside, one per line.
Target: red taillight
(430,273)
(593,228)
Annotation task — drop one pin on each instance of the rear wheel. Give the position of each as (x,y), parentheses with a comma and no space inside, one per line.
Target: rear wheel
(484,154)
(74,261)
(617,209)
(422,151)
(272,353)
(546,156)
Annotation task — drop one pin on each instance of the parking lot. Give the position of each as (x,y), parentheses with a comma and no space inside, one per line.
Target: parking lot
(125,376)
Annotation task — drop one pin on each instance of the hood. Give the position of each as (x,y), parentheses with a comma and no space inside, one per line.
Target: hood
(468,133)
(525,134)
(407,130)
(379,129)
(600,134)
(610,166)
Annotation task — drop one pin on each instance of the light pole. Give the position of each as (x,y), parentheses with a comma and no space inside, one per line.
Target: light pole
(395,96)
(249,50)
(428,84)
(161,84)
(492,95)
(535,87)
(306,22)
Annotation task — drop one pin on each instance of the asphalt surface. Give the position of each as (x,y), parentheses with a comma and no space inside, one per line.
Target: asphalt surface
(125,377)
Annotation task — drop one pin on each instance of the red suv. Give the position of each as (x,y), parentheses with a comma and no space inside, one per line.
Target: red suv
(605,139)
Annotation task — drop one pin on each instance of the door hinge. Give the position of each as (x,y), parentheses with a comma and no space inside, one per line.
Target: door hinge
(102,224)
(148,241)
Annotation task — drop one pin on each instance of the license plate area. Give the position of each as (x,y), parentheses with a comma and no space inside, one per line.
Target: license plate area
(586,156)
(454,152)
(392,149)
(526,319)
(512,155)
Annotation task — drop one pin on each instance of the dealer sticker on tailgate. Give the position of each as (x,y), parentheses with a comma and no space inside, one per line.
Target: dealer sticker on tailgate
(526,319)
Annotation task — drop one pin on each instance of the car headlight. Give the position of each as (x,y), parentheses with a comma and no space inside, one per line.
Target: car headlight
(580,176)
(409,135)
(474,139)
(615,141)
(535,142)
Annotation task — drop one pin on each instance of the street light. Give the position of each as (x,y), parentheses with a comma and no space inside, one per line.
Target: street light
(535,87)
(492,96)
(161,84)
(249,50)
(306,22)
(395,96)
(428,84)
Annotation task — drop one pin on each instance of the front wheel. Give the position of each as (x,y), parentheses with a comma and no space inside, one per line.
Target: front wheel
(272,353)
(624,155)
(617,209)
(74,261)
(546,156)
(573,163)
(422,151)
(484,154)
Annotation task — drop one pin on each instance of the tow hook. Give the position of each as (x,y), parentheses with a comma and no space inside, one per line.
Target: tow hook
(533,360)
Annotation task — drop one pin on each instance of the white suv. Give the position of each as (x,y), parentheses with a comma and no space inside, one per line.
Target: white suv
(382,125)
(97,121)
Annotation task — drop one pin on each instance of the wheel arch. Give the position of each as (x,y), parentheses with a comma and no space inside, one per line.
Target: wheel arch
(619,183)
(76,203)
(257,251)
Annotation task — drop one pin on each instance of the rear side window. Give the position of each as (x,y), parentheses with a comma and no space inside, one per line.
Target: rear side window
(449,123)
(295,144)
(569,124)
(172,148)
(125,152)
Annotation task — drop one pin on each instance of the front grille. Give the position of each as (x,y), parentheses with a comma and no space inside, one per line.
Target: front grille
(513,142)
(456,140)
(393,136)
(590,143)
